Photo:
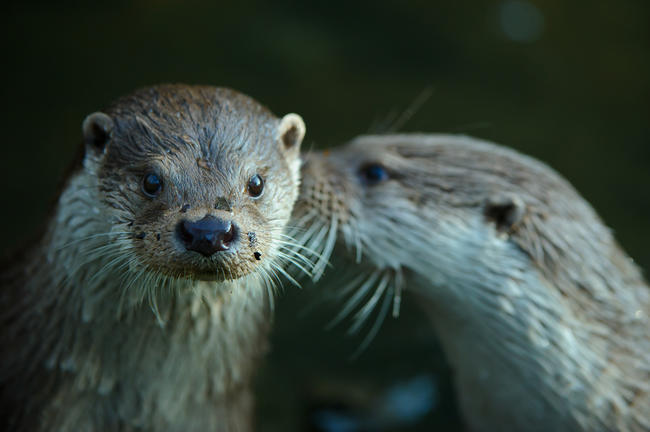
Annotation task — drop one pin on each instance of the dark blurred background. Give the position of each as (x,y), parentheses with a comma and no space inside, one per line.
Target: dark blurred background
(565,81)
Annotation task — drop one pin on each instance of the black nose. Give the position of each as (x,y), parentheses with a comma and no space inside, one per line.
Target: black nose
(206,236)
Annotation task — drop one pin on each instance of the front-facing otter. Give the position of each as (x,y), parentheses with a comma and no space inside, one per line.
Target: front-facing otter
(544,320)
(144,305)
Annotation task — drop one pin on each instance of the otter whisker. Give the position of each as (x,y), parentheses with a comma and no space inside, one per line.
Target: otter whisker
(272,271)
(353,238)
(306,239)
(375,327)
(379,126)
(297,245)
(91,256)
(265,276)
(317,239)
(91,237)
(152,285)
(398,284)
(410,111)
(322,263)
(351,285)
(106,268)
(270,291)
(361,316)
(316,224)
(355,299)
(95,250)
(303,261)
(293,260)
(124,271)
(146,293)
(294,248)
(301,223)
(284,273)
(312,243)
(292,230)
(139,273)
(268,287)
(296,256)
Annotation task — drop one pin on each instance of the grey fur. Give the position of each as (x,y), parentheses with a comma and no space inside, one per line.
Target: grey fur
(543,317)
(108,323)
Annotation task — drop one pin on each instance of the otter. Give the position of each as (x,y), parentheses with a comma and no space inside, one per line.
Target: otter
(144,304)
(541,315)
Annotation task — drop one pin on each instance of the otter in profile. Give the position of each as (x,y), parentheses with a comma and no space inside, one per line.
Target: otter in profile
(144,305)
(542,316)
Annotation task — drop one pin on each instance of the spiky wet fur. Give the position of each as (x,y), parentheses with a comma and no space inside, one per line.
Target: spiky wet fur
(98,334)
(545,322)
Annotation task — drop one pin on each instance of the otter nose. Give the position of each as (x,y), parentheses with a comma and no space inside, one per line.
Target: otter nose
(206,236)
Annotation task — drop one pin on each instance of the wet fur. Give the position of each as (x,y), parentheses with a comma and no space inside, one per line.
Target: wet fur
(543,317)
(107,322)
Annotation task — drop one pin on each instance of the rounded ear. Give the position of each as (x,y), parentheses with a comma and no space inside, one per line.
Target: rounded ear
(505,211)
(97,129)
(291,132)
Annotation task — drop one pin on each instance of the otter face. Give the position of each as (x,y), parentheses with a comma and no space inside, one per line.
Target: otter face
(203,179)
(401,200)
(359,191)
(436,207)
(356,195)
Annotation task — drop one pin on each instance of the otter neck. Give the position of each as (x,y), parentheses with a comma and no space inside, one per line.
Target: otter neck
(509,335)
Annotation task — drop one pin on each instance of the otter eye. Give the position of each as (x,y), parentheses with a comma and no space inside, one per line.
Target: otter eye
(373,173)
(255,186)
(151,185)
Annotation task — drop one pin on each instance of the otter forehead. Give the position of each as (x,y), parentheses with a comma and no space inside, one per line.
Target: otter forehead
(419,151)
(213,125)
(465,167)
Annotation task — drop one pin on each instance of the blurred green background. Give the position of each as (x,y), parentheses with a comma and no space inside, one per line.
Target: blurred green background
(567,82)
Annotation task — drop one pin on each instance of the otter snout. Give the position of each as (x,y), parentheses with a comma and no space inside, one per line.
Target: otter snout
(208,235)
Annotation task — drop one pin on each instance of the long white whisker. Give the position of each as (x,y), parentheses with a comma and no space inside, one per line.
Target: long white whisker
(152,284)
(267,277)
(375,327)
(347,288)
(319,268)
(294,262)
(397,292)
(316,222)
(284,273)
(361,316)
(302,221)
(293,242)
(270,291)
(354,300)
(117,234)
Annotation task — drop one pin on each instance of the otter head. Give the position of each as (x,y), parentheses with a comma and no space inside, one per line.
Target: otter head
(459,213)
(452,204)
(201,181)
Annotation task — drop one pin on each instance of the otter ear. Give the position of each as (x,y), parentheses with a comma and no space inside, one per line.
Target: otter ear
(291,132)
(505,211)
(97,129)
